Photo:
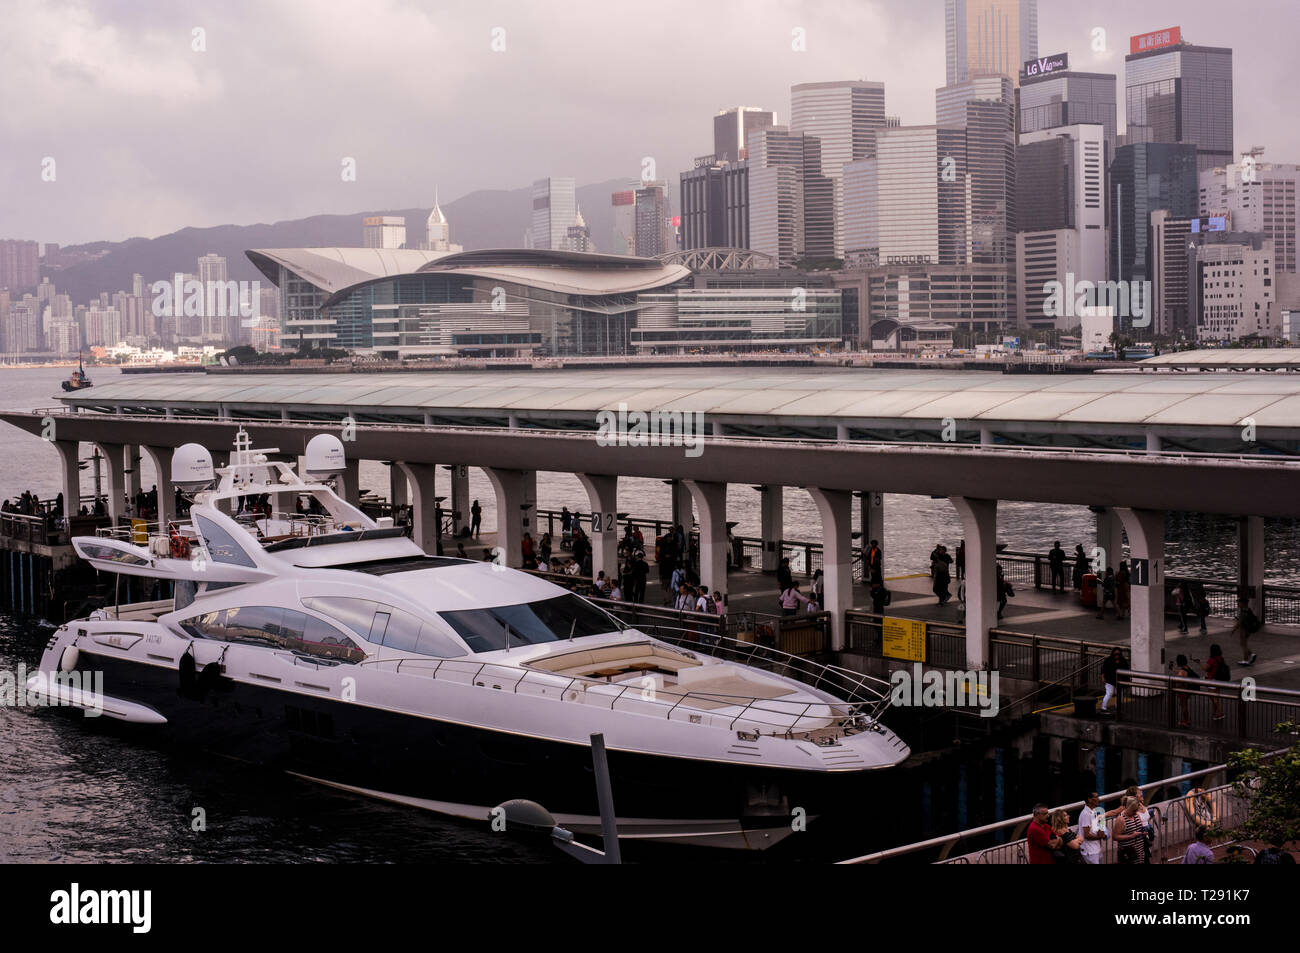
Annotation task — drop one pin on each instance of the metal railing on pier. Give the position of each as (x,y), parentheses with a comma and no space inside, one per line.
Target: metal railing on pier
(1224,709)
(1204,799)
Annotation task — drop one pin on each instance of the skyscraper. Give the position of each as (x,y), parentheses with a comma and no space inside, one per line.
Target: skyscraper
(624,205)
(844,117)
(651,214)
(1060,207)
(984,107)
(791,214)
(1144,178)
(990,36)
(921,204)
(731,129)
(219,325)
(1179,93)
(555,203)
(1064,97)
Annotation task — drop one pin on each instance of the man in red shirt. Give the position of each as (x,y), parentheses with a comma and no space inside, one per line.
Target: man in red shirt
(1039,837)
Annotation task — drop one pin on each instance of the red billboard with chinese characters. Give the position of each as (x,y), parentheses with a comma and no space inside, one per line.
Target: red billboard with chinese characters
(1145,42)
(622,198)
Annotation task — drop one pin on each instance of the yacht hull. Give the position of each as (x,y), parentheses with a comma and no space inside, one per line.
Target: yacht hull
(464,770)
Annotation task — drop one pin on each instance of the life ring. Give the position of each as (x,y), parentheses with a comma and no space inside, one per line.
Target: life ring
(180,546)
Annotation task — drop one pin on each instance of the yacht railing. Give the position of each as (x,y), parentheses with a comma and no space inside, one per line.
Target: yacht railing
(637,696)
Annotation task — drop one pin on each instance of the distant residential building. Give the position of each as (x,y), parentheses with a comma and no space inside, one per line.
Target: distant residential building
(1235,298)
(1179,93)
(843,117)
(989,36)
(64,337)
(103,327)
(20,268)
(731,129)
(221,319)
(555,204)
(1259,197)
(384,231)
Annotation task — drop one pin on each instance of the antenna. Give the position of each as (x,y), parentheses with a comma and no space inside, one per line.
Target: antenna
(507,636)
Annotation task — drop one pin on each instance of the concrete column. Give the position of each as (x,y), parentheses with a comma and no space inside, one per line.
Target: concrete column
(131,464)
(986,436)
(836,510)
(162,464)
(711,498)
(424,505)
(873,518)
(350,482)
(1250,561)
(1146,535)
(1110,540)
(69,475)
(115,483)
(771,504)
(460,501)
(842,432)
(512,492)
(397,487)
(1153,442)
(682,513)
(602,524)
(979,520)
(530,499)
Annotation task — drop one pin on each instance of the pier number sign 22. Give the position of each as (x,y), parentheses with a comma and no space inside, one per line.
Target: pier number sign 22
(603,522)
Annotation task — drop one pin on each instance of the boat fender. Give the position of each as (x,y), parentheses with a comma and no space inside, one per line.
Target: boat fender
(68,660)
(209,678)
(187,674)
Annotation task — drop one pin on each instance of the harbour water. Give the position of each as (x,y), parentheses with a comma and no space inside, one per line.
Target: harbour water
(71,794)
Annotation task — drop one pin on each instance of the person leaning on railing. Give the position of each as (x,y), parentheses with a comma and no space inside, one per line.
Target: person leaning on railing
(1129,834)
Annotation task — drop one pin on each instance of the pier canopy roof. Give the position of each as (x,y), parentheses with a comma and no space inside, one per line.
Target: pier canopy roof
(1253,358)
(1188,411)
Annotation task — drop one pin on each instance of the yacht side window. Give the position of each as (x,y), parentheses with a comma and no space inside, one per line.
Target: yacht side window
(221,546)
(388,626)
(275,627)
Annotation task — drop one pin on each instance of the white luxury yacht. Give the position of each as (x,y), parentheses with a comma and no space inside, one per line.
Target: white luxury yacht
(307,636)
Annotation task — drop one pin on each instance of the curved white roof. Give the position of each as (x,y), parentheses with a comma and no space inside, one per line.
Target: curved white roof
(833,394)
(335,270)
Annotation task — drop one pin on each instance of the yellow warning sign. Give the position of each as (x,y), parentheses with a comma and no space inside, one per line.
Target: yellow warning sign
(904,639)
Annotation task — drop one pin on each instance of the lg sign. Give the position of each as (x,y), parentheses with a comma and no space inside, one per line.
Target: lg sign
(1048,64)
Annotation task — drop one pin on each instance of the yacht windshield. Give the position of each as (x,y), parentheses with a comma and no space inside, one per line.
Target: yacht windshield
(528,623)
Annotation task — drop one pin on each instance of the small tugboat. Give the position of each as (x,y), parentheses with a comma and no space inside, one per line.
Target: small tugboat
(78,380)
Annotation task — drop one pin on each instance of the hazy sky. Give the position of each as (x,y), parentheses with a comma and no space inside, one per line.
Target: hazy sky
(149,135)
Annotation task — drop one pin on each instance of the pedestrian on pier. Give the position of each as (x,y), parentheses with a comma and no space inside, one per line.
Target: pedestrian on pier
(475,519)
(1199,852)
(640,573)
(819,589)
(1184,670)
(1039,837)
(1217,670)
(961,560)
(1080,566)
(1122,592)
(875,562)
(790,599)
(1129,833)
(1247,624)
(1092,828)
(1183,604)
(1109,673)
(784,578)
(1107,595)
(1201,604)
(1056,561)
(1003,588)
(1069,849)
(939,570)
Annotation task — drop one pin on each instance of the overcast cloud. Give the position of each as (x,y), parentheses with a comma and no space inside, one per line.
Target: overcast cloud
(149,136)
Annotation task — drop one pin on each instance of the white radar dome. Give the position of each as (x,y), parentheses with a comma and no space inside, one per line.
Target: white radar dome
(192,467)
(325,455)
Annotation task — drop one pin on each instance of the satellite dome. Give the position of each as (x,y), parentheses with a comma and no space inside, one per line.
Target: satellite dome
(325,455)
(192,467)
